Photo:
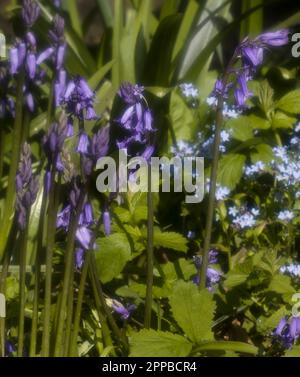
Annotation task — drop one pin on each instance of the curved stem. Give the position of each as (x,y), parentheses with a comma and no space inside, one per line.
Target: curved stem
(212,194)
(51,226)
(150,257)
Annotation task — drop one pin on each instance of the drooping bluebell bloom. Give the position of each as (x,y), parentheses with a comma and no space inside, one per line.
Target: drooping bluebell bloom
(79,99)
(125,312)
(136,120)
(288,332)
(213,276)
(251,54)
(26,187)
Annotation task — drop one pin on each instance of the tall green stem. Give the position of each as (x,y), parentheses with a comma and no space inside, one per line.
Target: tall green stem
(73,343)
(22,287)
(51,226)
(150,257)
(212,194)
(39,249)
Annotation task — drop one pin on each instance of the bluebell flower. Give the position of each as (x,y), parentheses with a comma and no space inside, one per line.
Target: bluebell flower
(288,332)
(124,312)
(136,121)
(26,187)
(213,275)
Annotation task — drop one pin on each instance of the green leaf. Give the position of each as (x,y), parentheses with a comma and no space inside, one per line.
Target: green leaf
(117,35)
(114,252)
(290,103)
(239,274)
(282,120)
(263,152)
(170,240)
(241,128)
(181,117)
(150,343)
(266,324)
(230,170)
(99,75)
(281,284)
(193,310)
(106,12)
(228,346)
(74,15)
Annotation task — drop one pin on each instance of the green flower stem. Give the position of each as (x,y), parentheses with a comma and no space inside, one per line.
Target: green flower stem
(150,256)
(22,288)
(69,319)
(34,326)
(212,194)
(6,220)
(83,278)
(101,313)
(69,259)
(51,226)
(115,329)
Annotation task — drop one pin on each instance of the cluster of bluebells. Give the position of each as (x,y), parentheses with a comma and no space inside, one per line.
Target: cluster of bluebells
(288,332)
(23,55)
(243,218)
(250,54)
(213,276)
(136,120)
(26,187)
(285,215)
(292,270)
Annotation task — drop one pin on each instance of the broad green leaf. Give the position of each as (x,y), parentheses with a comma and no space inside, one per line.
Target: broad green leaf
(290,103)
(281,284)
(230,170)
(239,274)
(113,254)
(240,128)
(263,152)
(258,122)
(181,117)
(193,310)
(228,346)
(170,240)
(150,343)
(282,120)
